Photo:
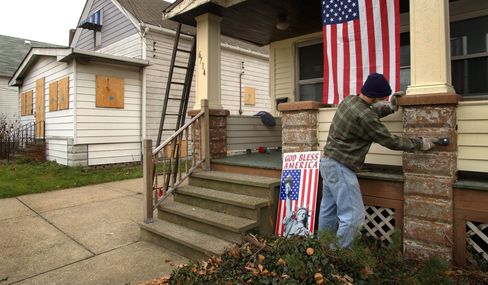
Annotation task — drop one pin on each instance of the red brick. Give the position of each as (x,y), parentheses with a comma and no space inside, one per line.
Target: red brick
(429,116)
(422,251)
(299,118)
(428,231)
(307,136)
(428,208)
(430,163)
(436,186)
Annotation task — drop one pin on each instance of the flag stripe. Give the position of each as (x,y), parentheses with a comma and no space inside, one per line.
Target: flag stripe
(333,39)
(325,42)
(346,58)
(396,48)
(385,39)
(358,67)
(371,35)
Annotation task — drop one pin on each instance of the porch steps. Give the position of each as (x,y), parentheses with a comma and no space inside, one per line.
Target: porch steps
(183,240)
(213,211)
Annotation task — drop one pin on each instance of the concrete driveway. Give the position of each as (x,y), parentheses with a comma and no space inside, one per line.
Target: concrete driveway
(86,235)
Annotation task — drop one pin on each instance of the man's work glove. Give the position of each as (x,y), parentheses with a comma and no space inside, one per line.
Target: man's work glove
(428,143)
(394,100)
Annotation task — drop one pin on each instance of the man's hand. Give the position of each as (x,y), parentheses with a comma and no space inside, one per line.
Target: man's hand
(428,143)
(394,100)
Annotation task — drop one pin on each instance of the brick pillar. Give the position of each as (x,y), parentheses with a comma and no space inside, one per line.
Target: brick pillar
(299,126)
(429,176)
(218,133)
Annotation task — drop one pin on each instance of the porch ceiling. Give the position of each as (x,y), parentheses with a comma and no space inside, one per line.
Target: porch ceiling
(255,20)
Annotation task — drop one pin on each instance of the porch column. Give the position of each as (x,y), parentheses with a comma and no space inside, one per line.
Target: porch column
(299,126)
(208,61)
(429,110)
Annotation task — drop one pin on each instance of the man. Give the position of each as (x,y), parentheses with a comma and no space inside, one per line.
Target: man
(355,126)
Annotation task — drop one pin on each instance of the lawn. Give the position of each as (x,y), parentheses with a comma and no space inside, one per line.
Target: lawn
(24,177)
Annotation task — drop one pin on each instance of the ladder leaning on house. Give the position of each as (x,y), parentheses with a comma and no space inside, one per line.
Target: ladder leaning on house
(181,102)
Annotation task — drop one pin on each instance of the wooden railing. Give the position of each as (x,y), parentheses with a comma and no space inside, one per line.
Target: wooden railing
(173,161)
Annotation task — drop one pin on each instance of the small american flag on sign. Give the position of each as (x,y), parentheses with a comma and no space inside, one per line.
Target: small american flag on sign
(303,190)
(359,37)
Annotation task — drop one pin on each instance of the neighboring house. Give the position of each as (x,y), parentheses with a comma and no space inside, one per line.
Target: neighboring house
(12,51)
(126,33)
(136,29)
(437,199)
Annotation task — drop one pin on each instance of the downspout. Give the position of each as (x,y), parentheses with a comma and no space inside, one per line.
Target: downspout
(144,31)
(240,87)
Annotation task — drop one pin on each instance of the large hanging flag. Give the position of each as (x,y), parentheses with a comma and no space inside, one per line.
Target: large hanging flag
(298,194)
(359,37)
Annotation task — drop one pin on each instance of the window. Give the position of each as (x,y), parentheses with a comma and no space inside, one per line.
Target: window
(310,63)
(469,57)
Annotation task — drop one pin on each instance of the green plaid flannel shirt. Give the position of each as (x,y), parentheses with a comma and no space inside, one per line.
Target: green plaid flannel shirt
(355,126)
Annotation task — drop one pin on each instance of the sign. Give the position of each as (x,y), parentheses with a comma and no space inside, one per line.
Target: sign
(298,194)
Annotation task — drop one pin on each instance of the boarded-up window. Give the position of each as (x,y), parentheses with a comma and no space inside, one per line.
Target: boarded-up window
(249,96)
(26,103)
(110,92)
(183,149)
(53,96)
(63,95)
(40,93)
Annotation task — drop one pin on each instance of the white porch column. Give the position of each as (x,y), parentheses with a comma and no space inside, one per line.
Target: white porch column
(208,61)
(430,48)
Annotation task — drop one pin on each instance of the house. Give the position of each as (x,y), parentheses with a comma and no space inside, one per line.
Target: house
(12,51)
(437,200)
(111,34)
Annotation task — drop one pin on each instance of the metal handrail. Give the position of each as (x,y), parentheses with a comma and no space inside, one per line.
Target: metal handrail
(19,137)
(155,195)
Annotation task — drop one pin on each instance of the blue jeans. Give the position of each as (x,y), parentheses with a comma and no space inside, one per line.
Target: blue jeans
(341,209)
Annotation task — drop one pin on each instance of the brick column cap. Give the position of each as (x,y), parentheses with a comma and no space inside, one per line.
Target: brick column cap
(213,112)
(301,105)
(429,99)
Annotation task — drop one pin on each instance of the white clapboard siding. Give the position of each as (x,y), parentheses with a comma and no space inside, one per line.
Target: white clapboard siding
(256,75)
(57,123)
(159,56)
(108,125)
(116,26)
(377,153)
(114,153)
(57,150)
(8,100)
(248,132)
(130,46)
(472,122)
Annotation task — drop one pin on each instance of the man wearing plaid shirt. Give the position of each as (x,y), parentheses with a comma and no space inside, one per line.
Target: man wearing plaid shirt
(355,126)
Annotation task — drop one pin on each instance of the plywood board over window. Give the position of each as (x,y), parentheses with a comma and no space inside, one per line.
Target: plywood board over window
(53,96)
(63,94)
(249,96)
(40,93)
(28,103)
(110,92)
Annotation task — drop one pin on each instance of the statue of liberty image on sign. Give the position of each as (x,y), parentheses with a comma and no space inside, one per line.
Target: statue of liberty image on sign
(298,194)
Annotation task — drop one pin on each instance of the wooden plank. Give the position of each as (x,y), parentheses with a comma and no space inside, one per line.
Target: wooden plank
(109,92)
(53,96)
(63,95)
(249,95)
(385,189)
(471,199)
(40,95)
(29,102)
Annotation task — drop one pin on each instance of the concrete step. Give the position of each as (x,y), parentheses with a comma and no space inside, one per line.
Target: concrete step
(227,227)
(243,184)
(192,244)
(243,206)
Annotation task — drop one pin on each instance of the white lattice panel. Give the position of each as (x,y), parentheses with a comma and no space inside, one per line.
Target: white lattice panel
(379,223)
(477,237)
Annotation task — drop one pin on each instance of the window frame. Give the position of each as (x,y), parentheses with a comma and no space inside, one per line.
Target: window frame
(297,80)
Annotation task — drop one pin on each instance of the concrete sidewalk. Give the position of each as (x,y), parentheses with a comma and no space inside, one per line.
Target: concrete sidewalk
(86,235)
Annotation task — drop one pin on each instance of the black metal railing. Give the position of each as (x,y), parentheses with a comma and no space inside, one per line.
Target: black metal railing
(14,139)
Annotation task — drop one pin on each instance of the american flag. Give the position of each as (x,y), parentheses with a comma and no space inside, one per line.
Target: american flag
(303,194)
(359,37)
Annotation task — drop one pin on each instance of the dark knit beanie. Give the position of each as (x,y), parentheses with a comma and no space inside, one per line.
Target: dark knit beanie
(376,86)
